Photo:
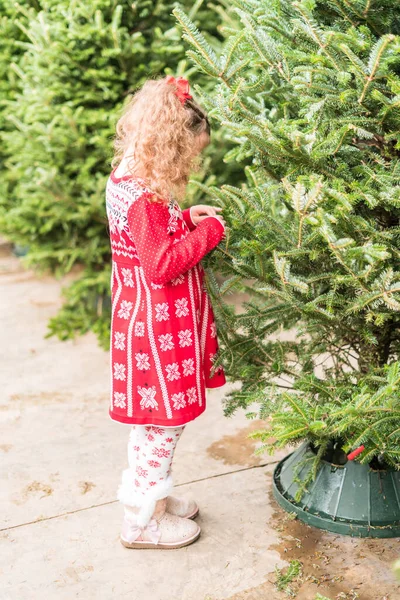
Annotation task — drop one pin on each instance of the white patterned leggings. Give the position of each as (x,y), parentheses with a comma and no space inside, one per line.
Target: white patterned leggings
(150,452)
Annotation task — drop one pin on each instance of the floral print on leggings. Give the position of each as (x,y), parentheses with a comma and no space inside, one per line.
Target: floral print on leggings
(150,453)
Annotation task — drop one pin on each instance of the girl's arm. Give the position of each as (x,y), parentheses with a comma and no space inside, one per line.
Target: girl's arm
(161,258)
(188,219)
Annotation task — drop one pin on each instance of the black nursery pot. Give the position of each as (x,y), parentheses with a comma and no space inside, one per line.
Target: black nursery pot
(351,499)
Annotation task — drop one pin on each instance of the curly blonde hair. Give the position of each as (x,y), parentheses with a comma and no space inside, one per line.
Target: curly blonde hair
(157,135)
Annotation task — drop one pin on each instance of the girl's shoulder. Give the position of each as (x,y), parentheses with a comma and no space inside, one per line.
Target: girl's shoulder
(136,188)
(129,186)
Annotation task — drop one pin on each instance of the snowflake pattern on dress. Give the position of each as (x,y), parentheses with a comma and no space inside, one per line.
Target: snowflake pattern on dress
(119,399)
(119,371)
(142,361)
(213,329)
(148,397)
(116,213)
(185,337)
(119,341)
(178,280)
(128,277)
(188,366)
(178,400)
(162,313)
(181,307)
(125,309)
(111,221)
(166,327)
(166,341)
(175,213)
(172,371)
(182,237)
(139,328)
(191,394)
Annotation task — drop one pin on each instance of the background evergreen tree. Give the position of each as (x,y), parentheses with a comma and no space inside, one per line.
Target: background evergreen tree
(309,92)
(12,40)
(68,66)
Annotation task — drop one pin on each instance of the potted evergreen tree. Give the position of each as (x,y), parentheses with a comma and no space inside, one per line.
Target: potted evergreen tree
(309,91)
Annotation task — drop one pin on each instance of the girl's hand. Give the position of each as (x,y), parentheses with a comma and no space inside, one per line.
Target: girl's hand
(199,212)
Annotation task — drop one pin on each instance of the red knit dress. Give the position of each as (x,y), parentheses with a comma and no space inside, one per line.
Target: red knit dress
(163,332)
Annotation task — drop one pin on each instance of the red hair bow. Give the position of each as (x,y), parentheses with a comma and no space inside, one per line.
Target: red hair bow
(182,84)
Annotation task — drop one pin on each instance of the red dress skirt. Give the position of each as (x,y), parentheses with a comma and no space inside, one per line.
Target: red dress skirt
(163,332)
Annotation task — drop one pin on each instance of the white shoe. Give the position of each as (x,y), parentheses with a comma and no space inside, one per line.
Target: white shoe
(164,531)
(182,507)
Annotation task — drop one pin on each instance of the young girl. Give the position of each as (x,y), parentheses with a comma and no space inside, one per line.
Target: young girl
(163,332)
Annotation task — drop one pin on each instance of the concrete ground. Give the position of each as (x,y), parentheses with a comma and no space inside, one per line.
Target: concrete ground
(61,460)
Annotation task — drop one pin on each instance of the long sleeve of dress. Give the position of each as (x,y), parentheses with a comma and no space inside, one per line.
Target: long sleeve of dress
(188,219)
(162,257)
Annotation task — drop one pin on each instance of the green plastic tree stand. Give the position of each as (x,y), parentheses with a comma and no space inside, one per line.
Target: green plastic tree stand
(352,499)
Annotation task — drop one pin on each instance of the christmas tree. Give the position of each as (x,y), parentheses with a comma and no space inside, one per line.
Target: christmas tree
(309,93)
(12,40)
